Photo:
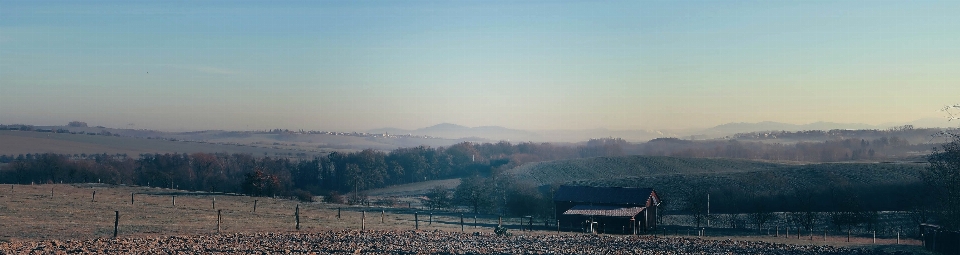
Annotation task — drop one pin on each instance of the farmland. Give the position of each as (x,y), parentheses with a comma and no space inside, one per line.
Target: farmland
(69,218)
(62,211)
(97,140)
(23,142)
(563,171)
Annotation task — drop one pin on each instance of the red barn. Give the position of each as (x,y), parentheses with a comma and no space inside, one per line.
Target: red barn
(606,209)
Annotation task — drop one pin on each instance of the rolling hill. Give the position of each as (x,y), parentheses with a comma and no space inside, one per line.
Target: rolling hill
(23,142)
(885,185)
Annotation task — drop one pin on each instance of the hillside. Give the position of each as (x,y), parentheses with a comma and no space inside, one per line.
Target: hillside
(23,142)
(565,171)
(874,185)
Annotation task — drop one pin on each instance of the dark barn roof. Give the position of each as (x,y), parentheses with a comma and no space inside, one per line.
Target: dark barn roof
(603,195)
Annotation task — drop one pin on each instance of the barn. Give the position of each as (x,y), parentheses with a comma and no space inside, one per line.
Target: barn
(606,209)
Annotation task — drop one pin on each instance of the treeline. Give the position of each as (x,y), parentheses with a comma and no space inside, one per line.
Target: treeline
(336,172)
(497,194)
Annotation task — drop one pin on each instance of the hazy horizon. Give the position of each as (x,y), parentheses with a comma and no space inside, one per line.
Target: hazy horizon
(361,65)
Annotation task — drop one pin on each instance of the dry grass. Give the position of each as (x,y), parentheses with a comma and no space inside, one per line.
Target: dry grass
(414,189)
(29,212)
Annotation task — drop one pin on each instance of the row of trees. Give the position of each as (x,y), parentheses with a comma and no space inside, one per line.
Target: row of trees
(336,172)
(843,207)
(494,194)
(943,183)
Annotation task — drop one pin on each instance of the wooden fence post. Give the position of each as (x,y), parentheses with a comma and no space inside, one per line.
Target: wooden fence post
(254,205)
(461,222)
(338,213)
(297,214)
(173,200)
(94,198)
(214,203)
(131,197)
(475,225)
(416,220)
(431,219)
(363,220)
(218,221)
(116,224)
(51,191)
(381,216)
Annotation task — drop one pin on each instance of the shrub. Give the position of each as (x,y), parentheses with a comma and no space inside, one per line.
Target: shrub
(333,197)
(302,195)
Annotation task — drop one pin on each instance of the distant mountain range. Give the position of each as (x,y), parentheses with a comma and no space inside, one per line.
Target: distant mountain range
(734,128)
(454,131)
(451,134)
(497,133)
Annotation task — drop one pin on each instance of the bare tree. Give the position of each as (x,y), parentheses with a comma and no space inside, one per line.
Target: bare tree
(438,198)
(760,214)
(943,177)
(696,205)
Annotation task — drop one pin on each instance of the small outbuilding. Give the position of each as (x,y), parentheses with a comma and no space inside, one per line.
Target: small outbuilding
(606,209)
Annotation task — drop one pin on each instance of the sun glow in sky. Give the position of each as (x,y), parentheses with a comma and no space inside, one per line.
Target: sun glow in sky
(357,65)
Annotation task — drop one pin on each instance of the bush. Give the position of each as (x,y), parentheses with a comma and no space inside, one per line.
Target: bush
(302,195)
(333,197)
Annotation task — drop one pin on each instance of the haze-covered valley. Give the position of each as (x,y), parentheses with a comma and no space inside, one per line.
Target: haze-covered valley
(914,138)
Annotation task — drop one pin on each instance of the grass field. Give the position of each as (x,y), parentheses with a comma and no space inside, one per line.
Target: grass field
(33,216)
(31,212)
(413,189)
(585,169)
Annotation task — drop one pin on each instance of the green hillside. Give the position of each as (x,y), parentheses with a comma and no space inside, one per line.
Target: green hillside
(874,185)
(588,169)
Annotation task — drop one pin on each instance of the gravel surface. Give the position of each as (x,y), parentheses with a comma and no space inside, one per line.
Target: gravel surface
(410,242)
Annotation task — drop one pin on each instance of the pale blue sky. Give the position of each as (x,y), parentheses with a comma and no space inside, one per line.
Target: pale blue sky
(356,65)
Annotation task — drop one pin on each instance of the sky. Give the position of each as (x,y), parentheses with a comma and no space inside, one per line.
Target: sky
(535,65)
